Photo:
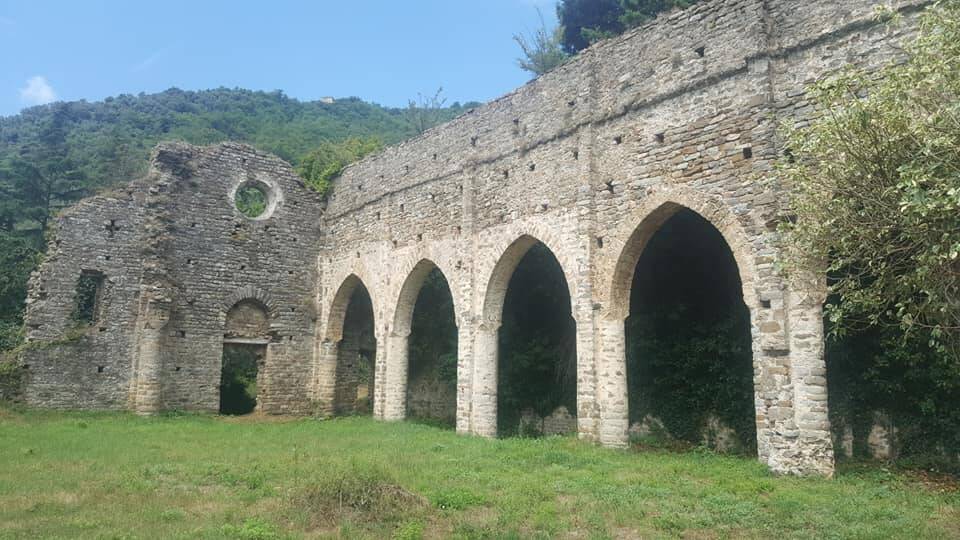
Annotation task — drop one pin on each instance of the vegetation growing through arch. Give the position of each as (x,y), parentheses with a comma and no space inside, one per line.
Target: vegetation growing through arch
(537,344)
(689,347)
(432,386)
(876,202)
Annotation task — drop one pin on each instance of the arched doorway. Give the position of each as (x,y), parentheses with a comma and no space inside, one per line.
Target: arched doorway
(355,369)
(534,350)
(689,354)
(426,319)
(245,339)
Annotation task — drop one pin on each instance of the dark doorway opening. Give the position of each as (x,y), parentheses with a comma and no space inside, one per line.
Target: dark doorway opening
(689,349)
(238,377)
(356,357)
(432,383)
(537,364)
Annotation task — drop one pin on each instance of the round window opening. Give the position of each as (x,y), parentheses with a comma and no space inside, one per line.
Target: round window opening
(252,200)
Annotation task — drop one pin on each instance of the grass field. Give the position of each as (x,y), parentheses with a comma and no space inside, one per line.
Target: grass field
(99,475)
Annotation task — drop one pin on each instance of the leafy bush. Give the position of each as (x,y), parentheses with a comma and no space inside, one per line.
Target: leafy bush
(914,385)
(11,376)
(876,192)
(876,202)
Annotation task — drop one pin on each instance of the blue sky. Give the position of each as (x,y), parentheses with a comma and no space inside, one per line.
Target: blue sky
(379,50)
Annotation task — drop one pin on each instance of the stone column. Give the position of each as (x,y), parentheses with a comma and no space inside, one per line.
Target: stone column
(326,380)
(485,348)
(814,445)
(395,383)
(588,407)
(147,386)
(380,377)
(464,376)
(612,397)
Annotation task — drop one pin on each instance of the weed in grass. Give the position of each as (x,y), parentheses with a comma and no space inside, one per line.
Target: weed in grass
(252,529)
(456,499)
(411,530)
(361,492)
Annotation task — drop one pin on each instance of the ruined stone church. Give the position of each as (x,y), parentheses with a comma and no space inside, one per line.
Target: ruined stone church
(587,162)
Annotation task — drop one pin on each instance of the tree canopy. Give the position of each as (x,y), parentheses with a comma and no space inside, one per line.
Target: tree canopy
(585,22)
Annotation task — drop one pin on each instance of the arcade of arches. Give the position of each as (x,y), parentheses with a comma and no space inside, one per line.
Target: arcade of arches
(676,357)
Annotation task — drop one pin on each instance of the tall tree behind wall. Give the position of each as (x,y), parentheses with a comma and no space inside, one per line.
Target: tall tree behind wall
(585,22)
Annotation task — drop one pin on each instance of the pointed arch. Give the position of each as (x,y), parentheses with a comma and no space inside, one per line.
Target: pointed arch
(338,308)
(495,292)
(655,210)
(410,290)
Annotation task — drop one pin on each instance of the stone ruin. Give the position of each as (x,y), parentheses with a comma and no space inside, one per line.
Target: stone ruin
(588,160)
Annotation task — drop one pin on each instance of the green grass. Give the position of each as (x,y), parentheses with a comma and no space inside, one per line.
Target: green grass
(107,475)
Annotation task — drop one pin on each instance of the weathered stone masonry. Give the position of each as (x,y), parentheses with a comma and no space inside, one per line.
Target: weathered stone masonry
(177,256)
(589,160)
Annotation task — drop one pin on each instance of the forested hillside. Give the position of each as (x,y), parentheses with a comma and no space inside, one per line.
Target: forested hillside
(53,155)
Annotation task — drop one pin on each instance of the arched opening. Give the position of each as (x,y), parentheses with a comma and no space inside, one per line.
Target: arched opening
(356,355)
(245,339)
(536,345)
(688,338)
(431,389)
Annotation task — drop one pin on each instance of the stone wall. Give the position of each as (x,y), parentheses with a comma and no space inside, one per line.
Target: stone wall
(177,255)
(588,159)
(429,396)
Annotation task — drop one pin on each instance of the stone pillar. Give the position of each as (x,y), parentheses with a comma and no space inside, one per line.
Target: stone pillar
(395,377)
(588,407)
(485,349)
(147,386)
(464,376)
(813,454)
(612,396)
(380,377)
(326,380)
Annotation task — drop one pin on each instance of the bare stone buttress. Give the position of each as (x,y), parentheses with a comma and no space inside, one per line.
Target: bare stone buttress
(589,160)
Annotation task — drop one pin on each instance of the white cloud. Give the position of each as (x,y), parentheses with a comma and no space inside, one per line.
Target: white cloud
(37,91)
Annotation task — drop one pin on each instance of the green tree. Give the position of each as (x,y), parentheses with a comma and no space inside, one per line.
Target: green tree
(326,162)
(43,177)
(876,183)
(542,50)
(637,12)
(585,22)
